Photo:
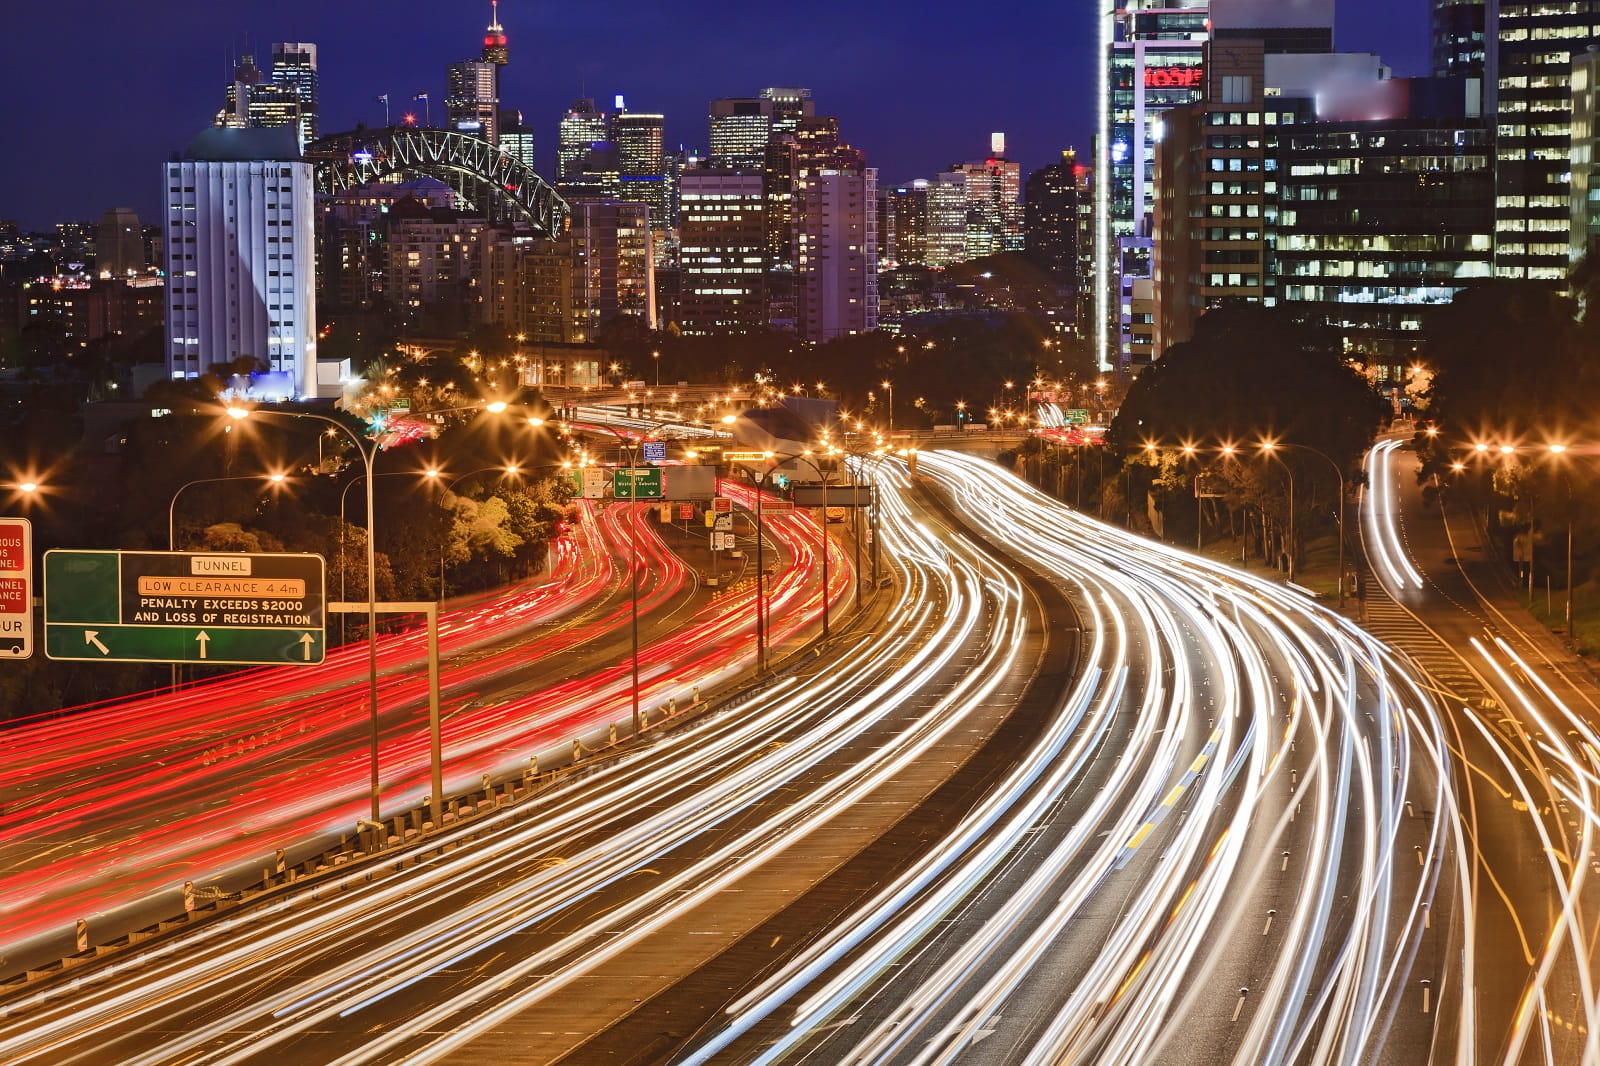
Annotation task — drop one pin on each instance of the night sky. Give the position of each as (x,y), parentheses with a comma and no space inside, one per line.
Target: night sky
(98,93)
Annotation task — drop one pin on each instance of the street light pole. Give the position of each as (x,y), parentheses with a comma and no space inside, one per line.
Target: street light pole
(372,579)
(1272,450)
(823,527)
(1338,473)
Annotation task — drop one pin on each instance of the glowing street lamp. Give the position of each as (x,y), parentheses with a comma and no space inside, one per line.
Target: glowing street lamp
(241,413)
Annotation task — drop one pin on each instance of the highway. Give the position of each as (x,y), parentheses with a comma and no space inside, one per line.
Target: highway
(1214,856)
(1074,796)
(1521,718)
(429,960)
(107,813)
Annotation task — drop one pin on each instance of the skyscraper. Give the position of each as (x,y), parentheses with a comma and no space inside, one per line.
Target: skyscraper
(994,202)
(618,275)
(294,68)
(946,240)
(641,162)
(1585,194)
(471,100)
(239,258)
(789,106)
(1530,72)
(836,259)
(907,207)
(1051,219)
(1151,54)
(472,86)
(516,137)
(1458,49)
(722,251)
(580,127)
(252,101)
(740,128)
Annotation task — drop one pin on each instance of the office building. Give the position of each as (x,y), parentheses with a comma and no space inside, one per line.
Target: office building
(789,107)
(1357,203)
(516,137)
(595,175)
(1151,56)
(1210,243)
(946,228)
(641,160)
(239,259)
(740,129)
(835,236)
(294,69)
(471,99)
(1051,220)
(906,209)
(1458,38)
(254,102)
(1378,222)
(1584,195)
(613,242)
(722,251)
(533,288)
(1531,74)
(580,127)
(119,244)
(994,202)
(472,86)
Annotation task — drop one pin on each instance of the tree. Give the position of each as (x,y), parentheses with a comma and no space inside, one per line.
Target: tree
(1252,374)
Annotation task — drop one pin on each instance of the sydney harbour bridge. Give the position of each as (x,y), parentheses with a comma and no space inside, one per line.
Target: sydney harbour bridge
(487,179)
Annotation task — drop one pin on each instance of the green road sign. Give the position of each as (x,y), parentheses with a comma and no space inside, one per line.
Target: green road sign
(636,483)
(220,607)
(1077,416)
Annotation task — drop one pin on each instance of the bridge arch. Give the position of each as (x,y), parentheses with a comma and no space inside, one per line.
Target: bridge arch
(488,179)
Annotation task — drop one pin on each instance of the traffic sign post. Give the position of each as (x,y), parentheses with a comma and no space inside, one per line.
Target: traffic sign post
(16,588)
(636,483)
(181,607)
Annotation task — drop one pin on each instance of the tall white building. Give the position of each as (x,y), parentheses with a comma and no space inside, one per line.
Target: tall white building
(241,274)
(836,253)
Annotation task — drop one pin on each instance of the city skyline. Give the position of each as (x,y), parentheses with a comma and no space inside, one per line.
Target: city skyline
(916,94)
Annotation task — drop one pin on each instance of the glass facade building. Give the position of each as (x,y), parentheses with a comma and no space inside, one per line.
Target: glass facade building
(1153,57)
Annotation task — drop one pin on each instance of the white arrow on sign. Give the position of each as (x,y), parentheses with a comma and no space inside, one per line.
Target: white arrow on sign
(306,640)
(202,637)
(89,637)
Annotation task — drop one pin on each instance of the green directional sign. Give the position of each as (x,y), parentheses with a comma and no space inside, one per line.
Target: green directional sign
(178,607)
(636,483)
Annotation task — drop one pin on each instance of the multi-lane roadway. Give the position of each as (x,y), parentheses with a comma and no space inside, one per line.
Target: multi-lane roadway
(105,814)
(1071,796)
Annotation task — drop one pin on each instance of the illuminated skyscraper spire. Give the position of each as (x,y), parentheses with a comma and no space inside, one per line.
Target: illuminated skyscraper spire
(494,38)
